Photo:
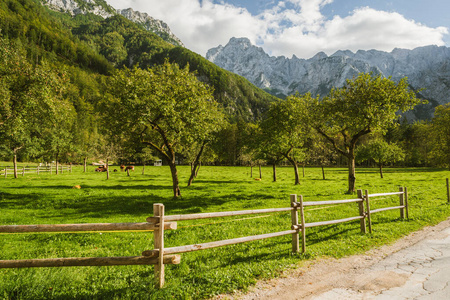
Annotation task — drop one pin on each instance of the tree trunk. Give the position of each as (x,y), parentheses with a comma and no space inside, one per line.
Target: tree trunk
(323,172)
(198,168)
(173,170)
(15,165)
(381,170)
(260,173)
(297,177)
(143,169)
(56,164)
(251,171)
(274,166)
(351,174)
(195,165)
(303,168)
(85,164)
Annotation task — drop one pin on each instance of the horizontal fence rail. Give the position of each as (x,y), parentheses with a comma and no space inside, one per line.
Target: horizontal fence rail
(160,255)
(83,227)
(87,261)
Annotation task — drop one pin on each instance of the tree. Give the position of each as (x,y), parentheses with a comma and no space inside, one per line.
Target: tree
(31,100)
(285,129)
(364,105)
(320,152)
(381,152)
(441,134)
(165,106)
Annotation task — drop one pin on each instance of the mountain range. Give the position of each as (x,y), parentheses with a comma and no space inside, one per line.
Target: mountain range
(427,69)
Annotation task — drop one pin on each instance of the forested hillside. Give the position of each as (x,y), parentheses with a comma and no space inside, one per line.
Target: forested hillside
(82,52)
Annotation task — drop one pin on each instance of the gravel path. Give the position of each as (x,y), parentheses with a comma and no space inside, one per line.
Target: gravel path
(415,267)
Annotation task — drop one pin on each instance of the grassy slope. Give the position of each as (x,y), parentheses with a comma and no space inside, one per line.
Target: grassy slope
(51,199)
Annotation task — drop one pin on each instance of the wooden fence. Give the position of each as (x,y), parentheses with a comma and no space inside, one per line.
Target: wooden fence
(160,255)
(7,170)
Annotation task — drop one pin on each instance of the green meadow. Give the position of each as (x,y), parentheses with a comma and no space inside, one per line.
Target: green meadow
(51,199)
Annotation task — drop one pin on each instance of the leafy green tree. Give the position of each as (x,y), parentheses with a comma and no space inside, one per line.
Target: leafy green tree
(381,152)
(31,101)
(441,133)
(363,105)
(285,130)
(166,107)
(320,152)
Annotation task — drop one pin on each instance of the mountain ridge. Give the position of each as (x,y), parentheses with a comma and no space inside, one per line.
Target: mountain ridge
(427,68)
(104,10)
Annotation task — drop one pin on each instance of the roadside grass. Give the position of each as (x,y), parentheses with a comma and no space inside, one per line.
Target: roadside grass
(47,199)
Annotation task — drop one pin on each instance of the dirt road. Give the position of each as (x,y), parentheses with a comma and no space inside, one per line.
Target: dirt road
(415,267)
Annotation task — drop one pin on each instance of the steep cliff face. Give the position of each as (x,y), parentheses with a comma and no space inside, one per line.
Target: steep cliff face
(101,8)
(427,68)
(76,7)
(151,24)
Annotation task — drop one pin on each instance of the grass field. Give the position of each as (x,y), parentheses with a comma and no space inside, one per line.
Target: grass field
(47,199)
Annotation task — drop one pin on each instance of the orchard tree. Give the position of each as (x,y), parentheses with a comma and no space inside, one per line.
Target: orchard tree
(320,152)
(365,104)
(285,129)
(381,152)
(167,107)
(31,100)
(441,133)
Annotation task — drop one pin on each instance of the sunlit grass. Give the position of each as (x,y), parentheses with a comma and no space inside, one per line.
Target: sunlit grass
(46,199)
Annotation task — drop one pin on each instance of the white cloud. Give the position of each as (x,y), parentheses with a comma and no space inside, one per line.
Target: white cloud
(289,27)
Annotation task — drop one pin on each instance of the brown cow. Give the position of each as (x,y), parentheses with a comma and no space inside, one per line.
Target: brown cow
(122,167)
(101,169)
(131,168)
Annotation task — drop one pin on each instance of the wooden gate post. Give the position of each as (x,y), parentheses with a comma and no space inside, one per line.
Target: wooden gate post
(158,211)
(368,210)
(406,202)
(294,217)
(448,192)
(402,202)
(361,211)
(107,169)
(302,219)
(23,171)
(6,172)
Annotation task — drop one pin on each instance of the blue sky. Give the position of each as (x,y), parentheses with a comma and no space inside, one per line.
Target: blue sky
(303,27)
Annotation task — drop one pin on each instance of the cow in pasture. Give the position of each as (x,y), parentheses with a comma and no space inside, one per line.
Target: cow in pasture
(122,167)
(101,169)
(131,168)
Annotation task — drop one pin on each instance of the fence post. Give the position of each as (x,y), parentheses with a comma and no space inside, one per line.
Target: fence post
(6,172)
(406,202)
(158,211)
(70,170)
(107,169)
(448,192)
(37,170)
(402,203)
(294,217)
(368,210)
(361,211)
(302,219)
(23,171)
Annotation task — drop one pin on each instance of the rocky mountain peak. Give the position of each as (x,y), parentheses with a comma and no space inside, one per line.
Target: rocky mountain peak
(427,68)
(101,8)
(151,24)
